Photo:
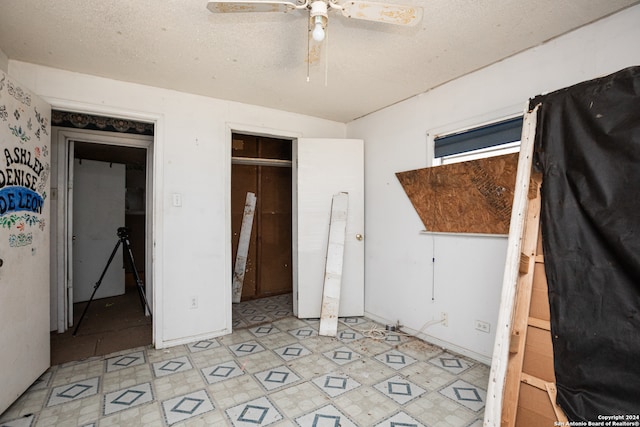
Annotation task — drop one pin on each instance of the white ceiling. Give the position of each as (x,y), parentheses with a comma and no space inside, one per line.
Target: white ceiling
(261,58)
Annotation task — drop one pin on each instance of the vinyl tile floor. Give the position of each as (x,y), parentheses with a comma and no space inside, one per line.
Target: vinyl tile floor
(273,370)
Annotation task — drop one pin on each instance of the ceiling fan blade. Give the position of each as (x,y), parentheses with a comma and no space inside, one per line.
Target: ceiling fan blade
(233,6)
(381,12)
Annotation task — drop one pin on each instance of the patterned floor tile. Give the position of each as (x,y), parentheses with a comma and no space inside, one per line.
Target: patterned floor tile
(451,363)
(187,406)
(172,366)
(292,351)
(127,398)
(335,384)
(258,412)
(465,394)
(264,330)
(246,348)
(395,359)
(351,321)
(400,389)
(327,416)
(257,318)
(203,345)
(401,419)
(277,377)
(26,421)
(270,306)
(78,390)
(304,332)
(280,313)
(342,355)
(394,338)
(239,323)
(248,311)
(222,372)
(125,361)
(349,335)
(42,382)
(314,380)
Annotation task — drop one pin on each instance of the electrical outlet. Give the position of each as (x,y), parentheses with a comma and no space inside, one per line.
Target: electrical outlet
(193,302)
(444,319)
(483,326)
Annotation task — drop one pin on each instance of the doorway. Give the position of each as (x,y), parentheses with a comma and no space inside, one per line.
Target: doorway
(115,320)
(263,165)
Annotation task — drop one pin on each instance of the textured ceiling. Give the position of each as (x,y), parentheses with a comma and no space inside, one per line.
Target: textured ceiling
(261,58)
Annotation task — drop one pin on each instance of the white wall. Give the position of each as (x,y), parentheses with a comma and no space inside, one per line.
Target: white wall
(192,147)
(4,62)
(399,274)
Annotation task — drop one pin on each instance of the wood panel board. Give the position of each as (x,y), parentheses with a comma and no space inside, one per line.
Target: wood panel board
(530,378)
(244,180)
(333,266)
(534,408)
(519,323)
(540,295)
(243,246)
(538,355)
(275,273)
(467,197)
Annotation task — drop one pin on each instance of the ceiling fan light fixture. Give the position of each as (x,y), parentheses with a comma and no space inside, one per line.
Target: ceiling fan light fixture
(318,28)
(318,15)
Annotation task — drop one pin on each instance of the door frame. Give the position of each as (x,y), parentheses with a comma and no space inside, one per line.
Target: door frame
(258,222)
(246,129)
(63,139)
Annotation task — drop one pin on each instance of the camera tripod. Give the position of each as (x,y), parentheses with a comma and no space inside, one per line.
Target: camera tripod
(123,235)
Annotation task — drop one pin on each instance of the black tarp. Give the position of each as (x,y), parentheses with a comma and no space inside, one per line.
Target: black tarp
(588,149)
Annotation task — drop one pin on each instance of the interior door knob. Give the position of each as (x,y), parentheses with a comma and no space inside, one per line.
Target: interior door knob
(359,236)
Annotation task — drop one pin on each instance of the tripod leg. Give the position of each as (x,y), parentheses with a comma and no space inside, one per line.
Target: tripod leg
(96,286)
(141,293)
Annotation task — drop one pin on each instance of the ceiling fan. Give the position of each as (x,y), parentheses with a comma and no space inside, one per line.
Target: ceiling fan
(319,9)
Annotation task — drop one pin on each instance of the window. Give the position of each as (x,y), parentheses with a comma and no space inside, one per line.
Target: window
(490,140)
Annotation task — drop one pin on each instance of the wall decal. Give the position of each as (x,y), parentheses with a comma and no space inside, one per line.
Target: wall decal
(8,221)
(18,93)
(22,239)
(17,131)
(42,121)
(24,166)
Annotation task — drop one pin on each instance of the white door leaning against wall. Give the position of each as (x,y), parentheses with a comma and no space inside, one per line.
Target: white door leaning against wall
(24,238)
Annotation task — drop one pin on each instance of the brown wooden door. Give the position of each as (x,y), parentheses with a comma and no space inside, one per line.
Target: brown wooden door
(263,166)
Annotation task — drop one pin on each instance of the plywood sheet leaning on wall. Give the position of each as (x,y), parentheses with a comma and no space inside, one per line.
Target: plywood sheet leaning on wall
(468,197)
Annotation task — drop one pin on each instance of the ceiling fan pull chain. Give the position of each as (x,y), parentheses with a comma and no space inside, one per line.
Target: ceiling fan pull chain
(308,55)
(326,58)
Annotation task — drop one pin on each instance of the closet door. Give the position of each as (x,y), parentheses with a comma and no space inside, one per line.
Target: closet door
(326,167)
